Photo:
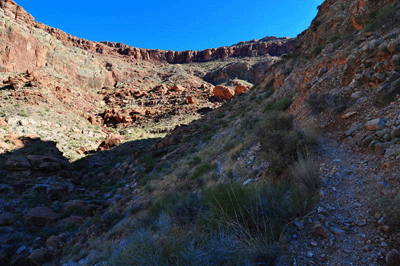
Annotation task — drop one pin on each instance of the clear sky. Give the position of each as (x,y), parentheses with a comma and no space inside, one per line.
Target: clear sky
(175,25)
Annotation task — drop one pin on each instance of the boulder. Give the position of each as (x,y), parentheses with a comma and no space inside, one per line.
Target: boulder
(39,256)
(240,90)
(178,88)
(395,133)
(375,124)
(393,258)
(223,93)
(380,148)
(11,138)
(386,93)
(192,100)
(365,142)
(3,123)
(112,141)
(17,164)
(54,188)
(319,230)
(353,128)
(40,216)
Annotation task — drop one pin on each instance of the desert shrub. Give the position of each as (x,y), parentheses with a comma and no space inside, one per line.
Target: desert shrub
(256,211)
(280,143)
(390,204)
(380,16)
(183,206)
(172,248)
(109,219)
(319,102)
(24,113)
(305,173)
(315,24)
(202,170)
(334,38)
(194,161)
(316,101)
(148,161)
(317,50)
(283,104)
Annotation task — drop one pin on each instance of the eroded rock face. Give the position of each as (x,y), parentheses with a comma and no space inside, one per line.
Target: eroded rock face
(273,47)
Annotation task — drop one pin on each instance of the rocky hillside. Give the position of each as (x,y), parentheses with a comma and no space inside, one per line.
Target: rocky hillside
(143,161)
(78,92)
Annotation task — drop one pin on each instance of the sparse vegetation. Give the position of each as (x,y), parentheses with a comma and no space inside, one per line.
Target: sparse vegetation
(377,17)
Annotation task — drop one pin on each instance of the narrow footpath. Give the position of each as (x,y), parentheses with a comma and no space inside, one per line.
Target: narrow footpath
(346,227)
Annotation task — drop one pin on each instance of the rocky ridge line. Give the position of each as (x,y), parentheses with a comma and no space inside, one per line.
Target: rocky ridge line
(267,46)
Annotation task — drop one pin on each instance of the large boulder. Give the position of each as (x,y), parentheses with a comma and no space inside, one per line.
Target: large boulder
(112,141)
(240,89)
(223,93)
(40,216)
(375,124)
(386,93)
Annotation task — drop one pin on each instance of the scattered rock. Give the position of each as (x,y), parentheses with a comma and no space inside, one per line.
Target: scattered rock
(375,124)
(192,100)
(354,128)
(338,231)
(319,230)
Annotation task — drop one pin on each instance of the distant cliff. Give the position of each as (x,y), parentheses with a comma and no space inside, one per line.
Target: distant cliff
(270,45)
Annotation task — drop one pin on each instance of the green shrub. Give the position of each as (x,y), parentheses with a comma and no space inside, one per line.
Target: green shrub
(109,219)
(305,173)
(202,170)
(380,16)
(316,101)
(317,50)
(148,161)
(213,248)
(24,113)
(334,38)
(283,104)
(259,210)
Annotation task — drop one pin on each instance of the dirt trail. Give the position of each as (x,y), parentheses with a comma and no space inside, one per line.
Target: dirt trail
(343,229)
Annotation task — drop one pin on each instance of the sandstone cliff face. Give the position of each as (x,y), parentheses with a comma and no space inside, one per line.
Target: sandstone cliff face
(267,46)
(275,47)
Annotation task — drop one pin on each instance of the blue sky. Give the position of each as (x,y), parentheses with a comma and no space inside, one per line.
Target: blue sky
(175,25)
